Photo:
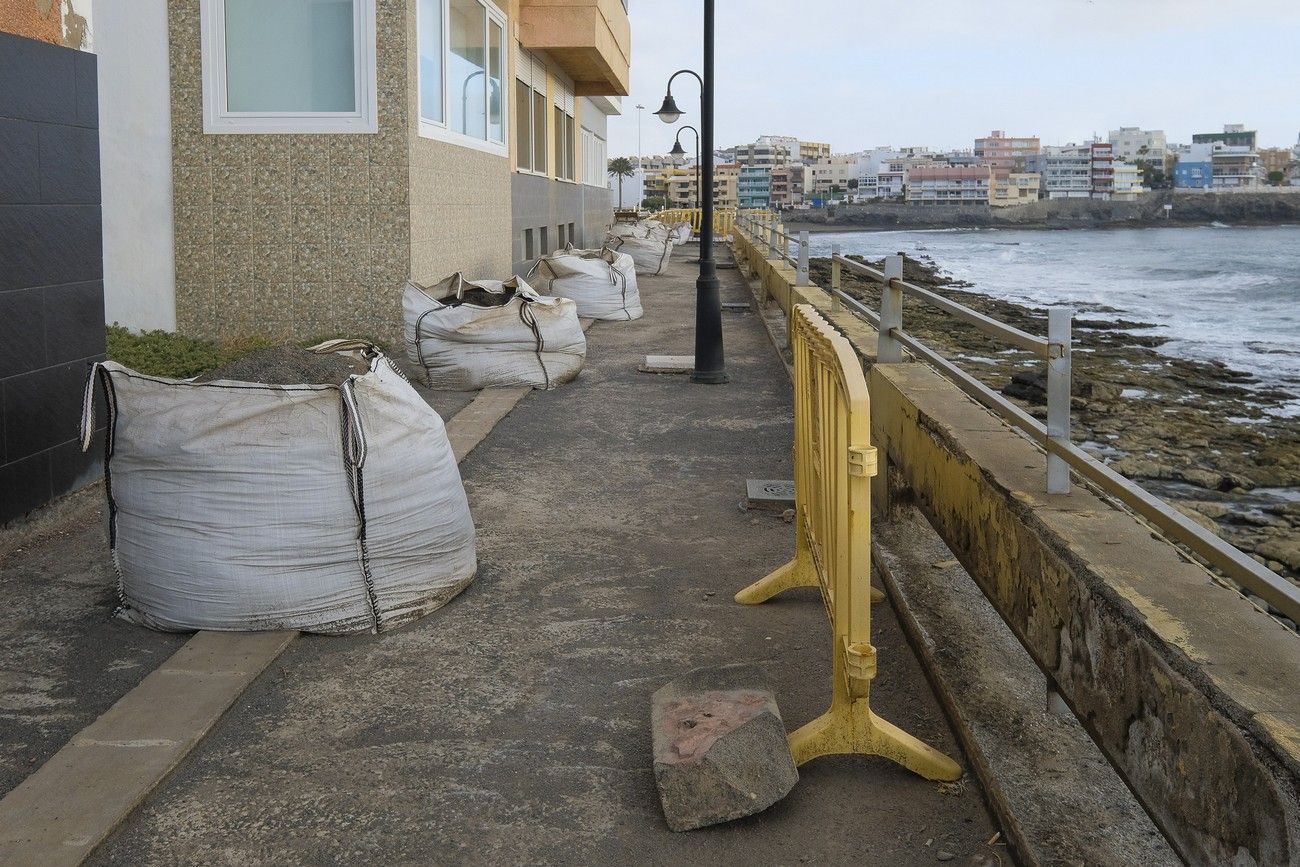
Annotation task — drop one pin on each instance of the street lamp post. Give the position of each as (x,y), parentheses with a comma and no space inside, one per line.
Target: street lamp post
(640,109)
(678,152)
(710,367)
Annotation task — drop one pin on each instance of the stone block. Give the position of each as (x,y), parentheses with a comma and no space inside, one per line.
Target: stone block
(720,748)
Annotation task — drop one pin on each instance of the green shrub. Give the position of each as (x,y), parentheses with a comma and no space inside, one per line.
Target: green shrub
(165,353)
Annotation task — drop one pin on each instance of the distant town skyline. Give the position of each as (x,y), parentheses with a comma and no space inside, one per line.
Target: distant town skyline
(942,72)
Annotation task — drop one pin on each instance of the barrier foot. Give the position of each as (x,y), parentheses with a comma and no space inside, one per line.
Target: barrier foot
(851,728)
(796,573)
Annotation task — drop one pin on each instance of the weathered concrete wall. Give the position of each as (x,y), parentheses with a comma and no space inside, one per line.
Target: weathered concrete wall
(1188,689)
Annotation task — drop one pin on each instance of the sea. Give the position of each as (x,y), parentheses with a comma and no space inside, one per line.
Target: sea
(1217,292)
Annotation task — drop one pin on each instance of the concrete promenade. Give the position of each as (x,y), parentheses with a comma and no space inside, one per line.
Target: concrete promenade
(512,726)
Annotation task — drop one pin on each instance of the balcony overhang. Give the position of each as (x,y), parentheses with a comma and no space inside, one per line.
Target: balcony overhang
(590,40)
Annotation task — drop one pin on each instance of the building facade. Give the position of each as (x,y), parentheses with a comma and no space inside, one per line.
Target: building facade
(1126,181)
(787,186)
(319,155)
(1103,169)
(1001,151)
(948,185)
(1066,171)
(1194,169)
(1233,135)
(1008,188)
(754,187)
(1129,143)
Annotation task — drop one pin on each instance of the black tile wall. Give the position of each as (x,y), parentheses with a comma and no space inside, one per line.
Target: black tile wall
(51,270)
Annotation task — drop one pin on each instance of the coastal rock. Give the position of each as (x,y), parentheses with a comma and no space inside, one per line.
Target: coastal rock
(1283,551)
(1207,523)
(720,748)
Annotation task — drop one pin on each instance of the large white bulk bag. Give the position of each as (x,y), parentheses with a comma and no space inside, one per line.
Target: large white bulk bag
(681,233)
(601,282)
(245,506)
(650,248)
(489,333)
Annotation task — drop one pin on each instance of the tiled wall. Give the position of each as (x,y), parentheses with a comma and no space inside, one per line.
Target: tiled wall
(51,271)
(291,236)
(542,201)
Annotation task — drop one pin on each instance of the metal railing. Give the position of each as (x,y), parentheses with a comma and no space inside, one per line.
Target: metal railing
(723,218)
(1062,454)
(764,225)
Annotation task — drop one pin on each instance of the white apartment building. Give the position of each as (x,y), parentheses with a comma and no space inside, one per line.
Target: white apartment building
(1066,171)
(768,152)
(1130,144)
(830,173)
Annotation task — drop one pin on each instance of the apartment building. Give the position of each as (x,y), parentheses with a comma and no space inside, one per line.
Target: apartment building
(811,151)
(829,175)
(768,151)
(680,185)
(1233,135)
(754,187)
(1001,151)
(316,155)
(1066,171)
(1274,160)
(1126,181)
(1008,188)
(787,186)
(1129,143)
(1194,169)
(1103,169)
(949,185)
(1235,167)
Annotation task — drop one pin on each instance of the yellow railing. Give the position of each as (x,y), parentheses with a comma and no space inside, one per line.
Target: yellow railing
(723,218)
(833,464)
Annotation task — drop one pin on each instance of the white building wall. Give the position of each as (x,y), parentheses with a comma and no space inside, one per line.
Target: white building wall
(136,163)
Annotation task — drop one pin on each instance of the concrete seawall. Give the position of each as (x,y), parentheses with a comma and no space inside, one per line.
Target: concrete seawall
(1187,688)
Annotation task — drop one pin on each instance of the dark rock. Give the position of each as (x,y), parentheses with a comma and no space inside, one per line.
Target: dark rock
(720,748)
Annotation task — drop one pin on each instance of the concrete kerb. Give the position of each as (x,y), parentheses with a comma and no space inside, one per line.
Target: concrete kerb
(60,813)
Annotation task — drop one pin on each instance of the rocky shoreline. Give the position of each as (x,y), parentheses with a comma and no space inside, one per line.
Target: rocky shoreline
(1196,433)
(1280,206)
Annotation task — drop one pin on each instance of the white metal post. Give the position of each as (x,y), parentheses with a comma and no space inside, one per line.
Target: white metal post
(835,276)
(802,278)
(889,350)
(1058,395)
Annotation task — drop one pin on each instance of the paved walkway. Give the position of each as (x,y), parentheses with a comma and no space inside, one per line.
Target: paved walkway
(511,727)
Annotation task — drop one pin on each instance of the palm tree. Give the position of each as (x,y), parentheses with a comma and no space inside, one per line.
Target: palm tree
(621,167)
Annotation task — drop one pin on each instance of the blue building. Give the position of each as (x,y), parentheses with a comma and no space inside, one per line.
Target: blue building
(754,187)
(1195,167)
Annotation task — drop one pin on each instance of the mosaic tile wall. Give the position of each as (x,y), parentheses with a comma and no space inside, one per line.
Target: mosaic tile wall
(290,236)
(460,200)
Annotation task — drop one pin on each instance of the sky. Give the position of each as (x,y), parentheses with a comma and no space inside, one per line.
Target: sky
(939,73)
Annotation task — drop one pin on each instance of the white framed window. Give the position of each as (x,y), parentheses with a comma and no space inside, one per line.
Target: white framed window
(594,163)
(291,66)
(566,136)
(462,73)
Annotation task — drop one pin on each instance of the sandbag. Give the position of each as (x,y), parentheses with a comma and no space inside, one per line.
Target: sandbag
(491,334)
(233,505)
(601,282)
(649,246)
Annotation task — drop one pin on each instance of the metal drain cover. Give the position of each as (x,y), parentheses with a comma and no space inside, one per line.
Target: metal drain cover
(775,495)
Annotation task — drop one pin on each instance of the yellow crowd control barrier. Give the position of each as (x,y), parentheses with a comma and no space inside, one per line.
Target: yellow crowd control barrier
(723,218)
(833,464)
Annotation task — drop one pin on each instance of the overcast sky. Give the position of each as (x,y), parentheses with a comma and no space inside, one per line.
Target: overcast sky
(859,73)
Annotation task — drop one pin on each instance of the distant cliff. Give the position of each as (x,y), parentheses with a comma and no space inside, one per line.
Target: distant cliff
(1188,208)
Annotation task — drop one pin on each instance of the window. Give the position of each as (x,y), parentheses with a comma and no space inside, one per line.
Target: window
(559,233)
(462,72)
(594,162)
(294,66)
(528,243)
(546,247)
(530,114)
(564,144)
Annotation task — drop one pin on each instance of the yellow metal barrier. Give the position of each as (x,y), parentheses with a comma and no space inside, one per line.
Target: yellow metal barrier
(833,464)
(723,218)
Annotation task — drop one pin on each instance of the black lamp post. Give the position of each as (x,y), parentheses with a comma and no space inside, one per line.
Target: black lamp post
(678,152)
(709,365)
